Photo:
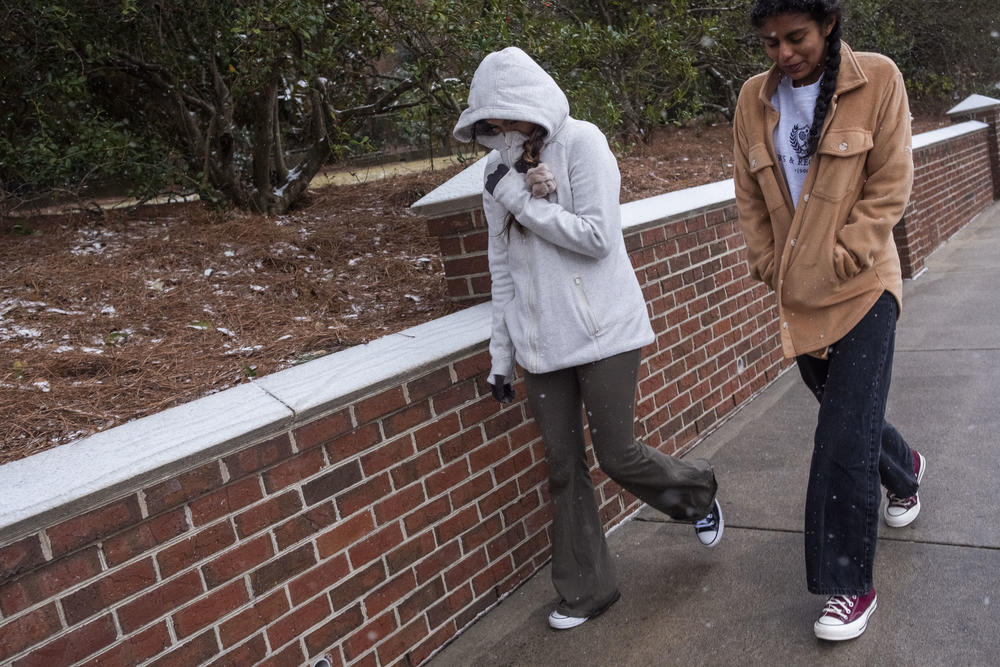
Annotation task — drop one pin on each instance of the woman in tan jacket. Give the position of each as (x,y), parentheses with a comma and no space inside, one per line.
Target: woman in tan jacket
(823,170)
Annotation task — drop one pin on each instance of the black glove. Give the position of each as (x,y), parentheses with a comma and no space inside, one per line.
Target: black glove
(502,391)
(494,178)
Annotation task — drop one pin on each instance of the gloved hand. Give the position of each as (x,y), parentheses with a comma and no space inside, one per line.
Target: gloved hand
(502,391)
(540,180)
(494,178)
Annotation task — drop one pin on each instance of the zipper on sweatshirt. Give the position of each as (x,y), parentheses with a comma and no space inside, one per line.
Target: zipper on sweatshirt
(531,328)
(584,303)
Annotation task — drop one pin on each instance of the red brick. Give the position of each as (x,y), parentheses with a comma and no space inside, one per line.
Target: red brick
(183,487)
(461,444)
(147,535)
(48,581)
(474,488)
(318,579)
(225,501)
(364,495)
(393,591)
(494,575)
(437,431)
(73,647)
(289,657)
(370,409)
(305,525)
(160,601)
(506,421)
(19,557)
(199,546)
(448,607)
(482,533)
(134,650)
(410,552)
(375,545)
(452,397)
(195,652)
(258,457)
(209,609)
(417,468)
(294,470)
(387,455)
(108,590)
(357,586)
(284,568)
(332,483)
(92,526)
(429,384)
(344,534)
(234,563)
(483,457)
(399,503)
(264,612)
(427,515)
(465,569)
(320,431)
(267,514)
(400,642)
(457,524)
(421,600)
(424,650)
(366,637)
(406,419)
(245,654)
(449,476)
(333,631)
(294,625)
(32,628)
(353,443)
(438,561)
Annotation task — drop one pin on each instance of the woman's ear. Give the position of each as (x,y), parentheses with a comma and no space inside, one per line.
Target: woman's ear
(828,26)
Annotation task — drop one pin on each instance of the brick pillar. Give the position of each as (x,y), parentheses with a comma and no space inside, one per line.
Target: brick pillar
(462,238)
(985,110)
(454,212)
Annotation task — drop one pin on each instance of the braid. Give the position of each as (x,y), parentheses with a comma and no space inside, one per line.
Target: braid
(531,157)
(826,88)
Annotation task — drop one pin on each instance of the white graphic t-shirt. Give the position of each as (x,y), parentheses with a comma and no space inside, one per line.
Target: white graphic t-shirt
(791,136)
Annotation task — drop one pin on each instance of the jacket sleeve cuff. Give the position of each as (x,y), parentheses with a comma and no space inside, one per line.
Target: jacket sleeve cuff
(512,192)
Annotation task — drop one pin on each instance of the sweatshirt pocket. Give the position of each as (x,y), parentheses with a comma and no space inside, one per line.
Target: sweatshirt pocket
(842,155)
(583,303)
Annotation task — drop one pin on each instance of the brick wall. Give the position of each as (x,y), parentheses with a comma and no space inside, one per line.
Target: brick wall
(368,521)
(953,181)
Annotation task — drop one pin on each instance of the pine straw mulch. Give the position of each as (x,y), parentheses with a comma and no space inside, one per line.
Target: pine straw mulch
(108,318)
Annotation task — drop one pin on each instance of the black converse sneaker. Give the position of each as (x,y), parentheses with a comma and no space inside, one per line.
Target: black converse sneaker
(709,529)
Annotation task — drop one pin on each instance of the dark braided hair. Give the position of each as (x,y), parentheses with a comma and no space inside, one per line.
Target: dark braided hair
(531,157)
(819,11)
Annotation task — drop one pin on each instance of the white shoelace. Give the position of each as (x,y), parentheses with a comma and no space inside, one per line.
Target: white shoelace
(707,522)
(840,605)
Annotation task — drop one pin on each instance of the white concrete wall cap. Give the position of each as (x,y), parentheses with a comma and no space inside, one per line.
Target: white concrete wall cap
(974,103)
(71,479)
(946,133)
(339,378)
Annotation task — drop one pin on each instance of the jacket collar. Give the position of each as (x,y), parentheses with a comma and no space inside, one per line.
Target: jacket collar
(849,77)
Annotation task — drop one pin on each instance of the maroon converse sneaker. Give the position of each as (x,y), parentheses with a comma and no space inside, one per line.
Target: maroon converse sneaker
(901,512)
(845,616)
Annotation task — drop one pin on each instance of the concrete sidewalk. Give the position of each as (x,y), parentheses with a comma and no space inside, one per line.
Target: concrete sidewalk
(745,602)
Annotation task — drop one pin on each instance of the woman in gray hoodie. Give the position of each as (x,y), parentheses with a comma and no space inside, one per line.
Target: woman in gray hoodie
(568,309)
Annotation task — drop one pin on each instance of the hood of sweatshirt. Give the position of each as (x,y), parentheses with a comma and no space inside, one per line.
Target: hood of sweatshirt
(509,85)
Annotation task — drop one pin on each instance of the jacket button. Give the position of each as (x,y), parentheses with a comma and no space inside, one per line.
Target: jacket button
(784,325)
(753,163)
(792,242)
(576,280)
(843,146)
(805,197)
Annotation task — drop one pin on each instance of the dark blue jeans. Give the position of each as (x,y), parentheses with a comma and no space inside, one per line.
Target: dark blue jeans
(856,451)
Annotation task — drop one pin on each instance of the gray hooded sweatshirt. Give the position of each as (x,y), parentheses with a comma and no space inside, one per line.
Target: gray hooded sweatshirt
(564,291)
